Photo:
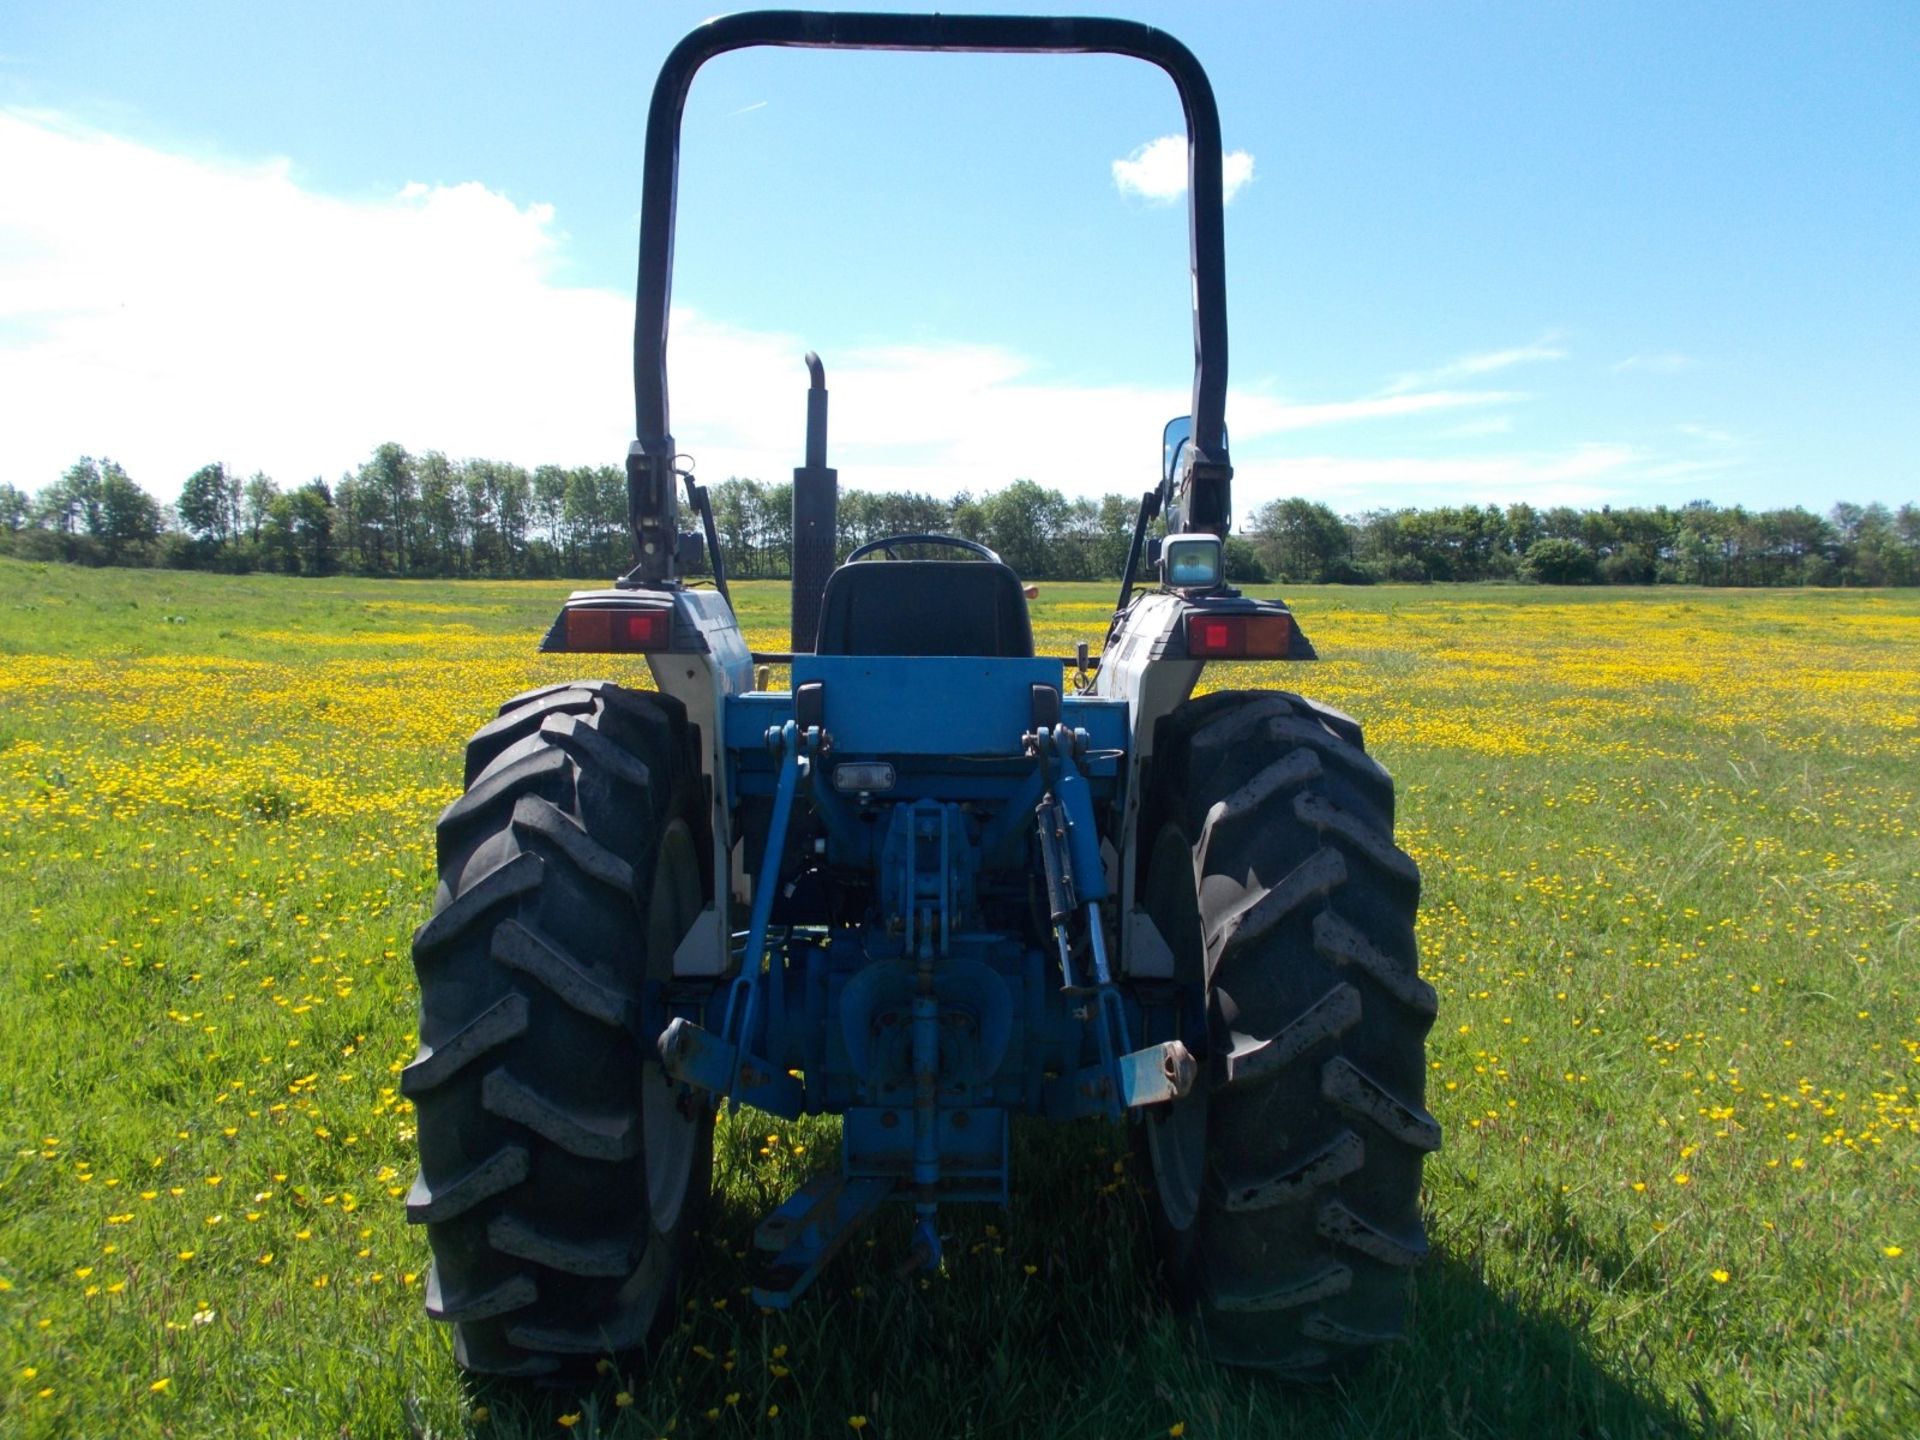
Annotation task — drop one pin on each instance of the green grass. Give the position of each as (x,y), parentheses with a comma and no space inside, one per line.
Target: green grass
(1671,879)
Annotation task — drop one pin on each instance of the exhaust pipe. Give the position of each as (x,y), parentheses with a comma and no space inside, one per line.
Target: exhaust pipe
(816,508)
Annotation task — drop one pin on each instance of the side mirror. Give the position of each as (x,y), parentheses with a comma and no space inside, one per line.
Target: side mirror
(1173,439)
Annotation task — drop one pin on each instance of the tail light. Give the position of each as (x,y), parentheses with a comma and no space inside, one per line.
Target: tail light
(614,629)
(1238,637)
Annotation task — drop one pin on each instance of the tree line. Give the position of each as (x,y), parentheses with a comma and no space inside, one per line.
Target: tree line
(426,515)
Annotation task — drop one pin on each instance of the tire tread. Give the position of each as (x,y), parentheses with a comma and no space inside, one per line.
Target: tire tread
(1308,1222)
(532,973)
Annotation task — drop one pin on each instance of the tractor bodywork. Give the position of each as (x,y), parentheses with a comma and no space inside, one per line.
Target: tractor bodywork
(928,926)
(939,882)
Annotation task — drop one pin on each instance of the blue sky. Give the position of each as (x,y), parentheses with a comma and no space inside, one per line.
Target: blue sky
(1631,253)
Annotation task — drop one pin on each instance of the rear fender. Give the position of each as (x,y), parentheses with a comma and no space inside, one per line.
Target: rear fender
(1146,663)
(706,662)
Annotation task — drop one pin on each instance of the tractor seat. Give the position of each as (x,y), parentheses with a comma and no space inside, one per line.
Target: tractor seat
(924,607)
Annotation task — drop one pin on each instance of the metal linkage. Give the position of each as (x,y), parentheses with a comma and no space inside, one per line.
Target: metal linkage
(692,1055)
(925,894)
(1069,843)
(927,867)
(924,1012)
(926,1095)
(809,1228)
(795,748)
(1076,884)
(725,1064)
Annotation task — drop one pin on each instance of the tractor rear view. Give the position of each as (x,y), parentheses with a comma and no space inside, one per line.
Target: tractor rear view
(941,882)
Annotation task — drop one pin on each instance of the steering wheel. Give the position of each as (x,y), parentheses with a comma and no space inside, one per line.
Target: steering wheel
(886,543)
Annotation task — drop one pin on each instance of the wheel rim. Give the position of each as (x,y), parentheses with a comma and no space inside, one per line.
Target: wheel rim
(1177,1133)
(1177,1145)
(670,1127)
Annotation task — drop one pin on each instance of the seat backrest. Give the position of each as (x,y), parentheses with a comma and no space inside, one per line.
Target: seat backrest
(924,607)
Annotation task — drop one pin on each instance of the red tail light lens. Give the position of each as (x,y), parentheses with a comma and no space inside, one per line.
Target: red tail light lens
(606,629)
(1239,637)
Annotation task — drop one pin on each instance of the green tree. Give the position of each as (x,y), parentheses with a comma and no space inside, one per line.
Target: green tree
(256,503)
(1905,550)
(77,498)
(279,545)
(56,509)
(1242,564)
(1802,539)
(128,518)
(1524,526)
(359,529)
(297,534)
(612,539)
(1300,540)
(774,526)
(737,506)
(1874,544)
(209,504)
(313,526)
(496,496)
(1116,534)
(390,503)
(547,506)
(439,543)
(1554,560)
(1021,522)
(15,506)
(967,518)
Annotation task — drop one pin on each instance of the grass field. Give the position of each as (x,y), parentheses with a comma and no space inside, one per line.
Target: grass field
(1672,876)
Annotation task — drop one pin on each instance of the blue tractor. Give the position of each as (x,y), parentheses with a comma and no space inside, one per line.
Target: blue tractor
(940,882)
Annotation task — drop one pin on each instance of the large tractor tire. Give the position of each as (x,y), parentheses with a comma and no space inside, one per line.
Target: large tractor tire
(1285,1188)
(561,1175)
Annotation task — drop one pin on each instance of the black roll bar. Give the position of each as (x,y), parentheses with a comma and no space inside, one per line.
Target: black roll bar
(649,468)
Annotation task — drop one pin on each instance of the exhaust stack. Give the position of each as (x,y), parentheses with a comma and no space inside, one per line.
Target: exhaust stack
(816,507)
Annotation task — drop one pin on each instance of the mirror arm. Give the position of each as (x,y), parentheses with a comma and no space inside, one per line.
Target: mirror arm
(1149,507)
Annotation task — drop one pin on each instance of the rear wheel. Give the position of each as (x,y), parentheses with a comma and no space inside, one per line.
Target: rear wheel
(561,1173)
(1286,1185)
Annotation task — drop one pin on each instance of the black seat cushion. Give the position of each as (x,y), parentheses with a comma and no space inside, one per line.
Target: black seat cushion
(924,607)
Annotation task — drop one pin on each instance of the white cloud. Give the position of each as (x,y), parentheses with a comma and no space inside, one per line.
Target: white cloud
(1669,364)
(178,310)
(1665,472)
(1253,416)
(222,311)
(242,317)
(1158,170)
(1483,363)
(169,311)
(1587,474)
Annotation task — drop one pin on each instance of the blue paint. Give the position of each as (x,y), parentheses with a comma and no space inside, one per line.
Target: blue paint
(808,1228)
(892,961)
